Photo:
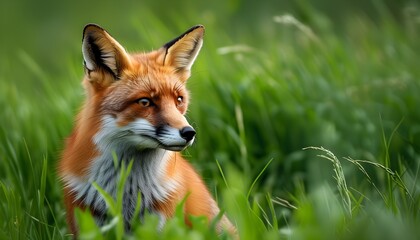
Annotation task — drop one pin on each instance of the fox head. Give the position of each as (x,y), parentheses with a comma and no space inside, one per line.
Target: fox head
(139,99)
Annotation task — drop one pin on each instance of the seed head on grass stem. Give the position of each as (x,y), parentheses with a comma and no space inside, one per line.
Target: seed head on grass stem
(339,176)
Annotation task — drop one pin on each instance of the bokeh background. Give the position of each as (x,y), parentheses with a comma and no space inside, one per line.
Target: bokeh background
(273,78)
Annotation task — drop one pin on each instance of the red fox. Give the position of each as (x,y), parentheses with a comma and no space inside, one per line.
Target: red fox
(134,109)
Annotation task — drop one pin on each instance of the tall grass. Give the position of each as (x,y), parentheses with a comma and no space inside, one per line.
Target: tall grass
(273,78)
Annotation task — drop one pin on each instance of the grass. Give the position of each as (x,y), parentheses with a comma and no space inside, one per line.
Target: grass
(278,88)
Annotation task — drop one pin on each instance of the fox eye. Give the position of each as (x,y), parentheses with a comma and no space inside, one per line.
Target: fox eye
(145,102)
(180,100)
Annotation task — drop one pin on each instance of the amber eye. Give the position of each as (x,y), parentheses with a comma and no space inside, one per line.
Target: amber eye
(145,102)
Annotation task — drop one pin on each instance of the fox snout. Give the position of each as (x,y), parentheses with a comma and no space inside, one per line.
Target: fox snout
(174,139)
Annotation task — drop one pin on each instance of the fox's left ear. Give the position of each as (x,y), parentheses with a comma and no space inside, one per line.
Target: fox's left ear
(103,52)
(183,50)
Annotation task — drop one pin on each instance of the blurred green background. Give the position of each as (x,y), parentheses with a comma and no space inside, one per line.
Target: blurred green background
(272,78)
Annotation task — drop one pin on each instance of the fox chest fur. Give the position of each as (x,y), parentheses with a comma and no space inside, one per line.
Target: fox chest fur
(146,182)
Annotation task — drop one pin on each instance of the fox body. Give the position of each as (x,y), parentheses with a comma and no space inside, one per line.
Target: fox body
(134,111)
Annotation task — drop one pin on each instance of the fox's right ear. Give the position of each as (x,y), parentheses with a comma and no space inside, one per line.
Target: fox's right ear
(181,52)
(102,52)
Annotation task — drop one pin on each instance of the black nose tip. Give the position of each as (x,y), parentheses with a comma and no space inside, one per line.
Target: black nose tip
(187,133)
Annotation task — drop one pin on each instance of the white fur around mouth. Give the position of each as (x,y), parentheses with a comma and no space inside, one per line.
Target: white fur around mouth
(172,147)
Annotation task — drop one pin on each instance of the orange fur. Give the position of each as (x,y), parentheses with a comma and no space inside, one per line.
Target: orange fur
(115,82)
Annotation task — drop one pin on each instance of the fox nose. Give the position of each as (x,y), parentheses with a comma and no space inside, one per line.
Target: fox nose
(187,133)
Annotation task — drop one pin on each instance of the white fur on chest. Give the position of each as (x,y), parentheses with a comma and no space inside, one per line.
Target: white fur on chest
(147,176)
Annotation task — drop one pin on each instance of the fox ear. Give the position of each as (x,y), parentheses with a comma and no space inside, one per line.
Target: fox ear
(183,50)
(102,52)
